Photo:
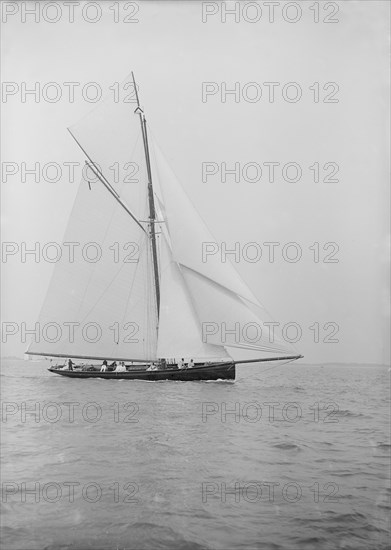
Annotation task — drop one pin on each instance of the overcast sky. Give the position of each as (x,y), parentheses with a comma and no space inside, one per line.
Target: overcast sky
(173,52)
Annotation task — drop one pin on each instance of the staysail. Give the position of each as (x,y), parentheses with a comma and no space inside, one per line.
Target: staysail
(179,329)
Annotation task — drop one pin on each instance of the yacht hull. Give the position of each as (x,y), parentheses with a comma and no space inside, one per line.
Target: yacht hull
(219,371)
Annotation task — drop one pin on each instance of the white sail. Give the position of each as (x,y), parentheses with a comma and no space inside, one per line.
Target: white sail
(188,231)
(180,334)
(116,294)
(110,135)
(221,298)
(112,297)
(229,320)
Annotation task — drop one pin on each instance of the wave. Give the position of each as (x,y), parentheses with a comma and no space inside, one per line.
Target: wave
(287,446)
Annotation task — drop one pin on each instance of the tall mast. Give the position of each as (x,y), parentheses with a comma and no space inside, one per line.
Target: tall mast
(152,211)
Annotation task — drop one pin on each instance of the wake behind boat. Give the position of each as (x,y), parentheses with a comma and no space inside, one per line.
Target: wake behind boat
(145,293)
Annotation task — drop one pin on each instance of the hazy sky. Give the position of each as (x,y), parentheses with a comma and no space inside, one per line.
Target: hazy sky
(173,52)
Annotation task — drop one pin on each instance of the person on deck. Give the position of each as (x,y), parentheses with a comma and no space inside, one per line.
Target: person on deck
(70,364)
(181,364)
(191,364)
(121,367)
(152,367)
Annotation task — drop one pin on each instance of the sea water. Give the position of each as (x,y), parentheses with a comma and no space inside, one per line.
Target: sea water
(293,457)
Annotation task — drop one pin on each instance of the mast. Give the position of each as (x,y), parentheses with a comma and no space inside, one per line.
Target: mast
(152,211)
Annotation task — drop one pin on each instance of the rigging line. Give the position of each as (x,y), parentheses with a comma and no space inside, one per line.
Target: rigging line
(264,344)
(262,349)
(143,247)
(160,201)
(105,99)
(94,266)
(105,182)
(105,290)
(133,155)
(277,366)
(111,189)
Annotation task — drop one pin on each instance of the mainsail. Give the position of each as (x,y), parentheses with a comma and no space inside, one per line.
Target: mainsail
(161,300)
(114,294)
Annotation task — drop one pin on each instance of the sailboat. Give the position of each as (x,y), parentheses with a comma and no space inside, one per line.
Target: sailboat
(136,290)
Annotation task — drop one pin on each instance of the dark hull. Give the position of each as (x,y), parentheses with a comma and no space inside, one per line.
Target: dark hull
(219,371)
